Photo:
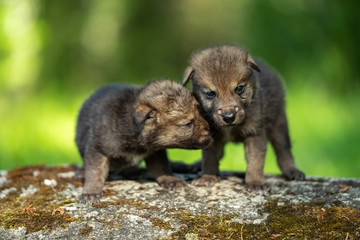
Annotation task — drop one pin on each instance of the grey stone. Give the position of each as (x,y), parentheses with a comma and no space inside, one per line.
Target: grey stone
(144,210)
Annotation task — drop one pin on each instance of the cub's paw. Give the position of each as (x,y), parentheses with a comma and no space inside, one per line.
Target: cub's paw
(171,182)
(294,174)
(206,180)
(262,189)
(90,198)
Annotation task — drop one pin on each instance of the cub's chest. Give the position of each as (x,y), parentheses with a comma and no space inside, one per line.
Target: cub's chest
(232,134)
(127,160)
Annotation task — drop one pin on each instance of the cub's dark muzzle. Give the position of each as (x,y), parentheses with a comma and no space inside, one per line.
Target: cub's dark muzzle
(228,114)
(228,117)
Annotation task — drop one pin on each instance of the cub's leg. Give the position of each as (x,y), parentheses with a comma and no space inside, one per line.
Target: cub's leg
(280,140)
(210,164)
(96,171)
(255,151)
(159,165)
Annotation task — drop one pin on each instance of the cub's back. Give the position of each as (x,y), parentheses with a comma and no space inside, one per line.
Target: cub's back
(272,92)
(106,102)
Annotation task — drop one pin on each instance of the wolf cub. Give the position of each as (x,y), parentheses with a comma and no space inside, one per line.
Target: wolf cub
(243,100)
(120,125)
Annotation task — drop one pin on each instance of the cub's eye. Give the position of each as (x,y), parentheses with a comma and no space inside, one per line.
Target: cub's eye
(239,89)
(189,123)
(210,94)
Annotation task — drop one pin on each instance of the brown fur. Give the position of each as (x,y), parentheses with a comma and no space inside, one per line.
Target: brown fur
(119,125)
(253,115)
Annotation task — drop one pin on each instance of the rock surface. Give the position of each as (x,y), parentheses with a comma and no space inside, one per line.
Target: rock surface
(41,203)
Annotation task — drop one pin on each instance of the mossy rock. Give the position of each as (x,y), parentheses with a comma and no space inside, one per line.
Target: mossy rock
(41,202)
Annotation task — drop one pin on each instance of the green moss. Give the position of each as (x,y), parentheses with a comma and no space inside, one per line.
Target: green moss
(102,204)
(313,220)
(35,220)
(85,231)
(40,211)
(207,227)
(64,202)
(288,221)
(130,203)
(114,223)
(35,211)
(157,222)
(108,192)
(122,202)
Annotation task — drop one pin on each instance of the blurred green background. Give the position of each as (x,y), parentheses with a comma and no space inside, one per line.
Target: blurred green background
(53,54)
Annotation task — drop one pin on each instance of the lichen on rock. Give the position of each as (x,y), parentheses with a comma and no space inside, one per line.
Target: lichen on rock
(327,208)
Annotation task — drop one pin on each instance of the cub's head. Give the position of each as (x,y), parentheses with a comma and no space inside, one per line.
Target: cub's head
(168,117)
(224,82)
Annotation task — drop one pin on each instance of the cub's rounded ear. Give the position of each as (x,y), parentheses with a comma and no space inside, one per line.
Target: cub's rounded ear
(188,74)
(252,63)
(143,112)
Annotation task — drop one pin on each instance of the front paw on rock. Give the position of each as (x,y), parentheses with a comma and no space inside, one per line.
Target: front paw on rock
(90,198)
(206,180)
(171,182)
(262,189)
(294,174)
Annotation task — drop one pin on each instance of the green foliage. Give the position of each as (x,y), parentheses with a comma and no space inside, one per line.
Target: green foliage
(53,54)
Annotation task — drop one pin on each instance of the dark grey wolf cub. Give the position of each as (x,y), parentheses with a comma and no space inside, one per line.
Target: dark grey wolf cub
(243,101)
(120,125)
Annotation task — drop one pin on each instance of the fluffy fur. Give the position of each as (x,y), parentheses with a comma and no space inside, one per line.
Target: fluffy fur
(243,100)
(119,126)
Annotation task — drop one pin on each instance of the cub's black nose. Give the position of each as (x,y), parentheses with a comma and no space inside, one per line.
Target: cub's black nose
(228,117)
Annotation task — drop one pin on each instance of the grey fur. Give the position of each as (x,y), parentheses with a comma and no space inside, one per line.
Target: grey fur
(253,115)
(120,125)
